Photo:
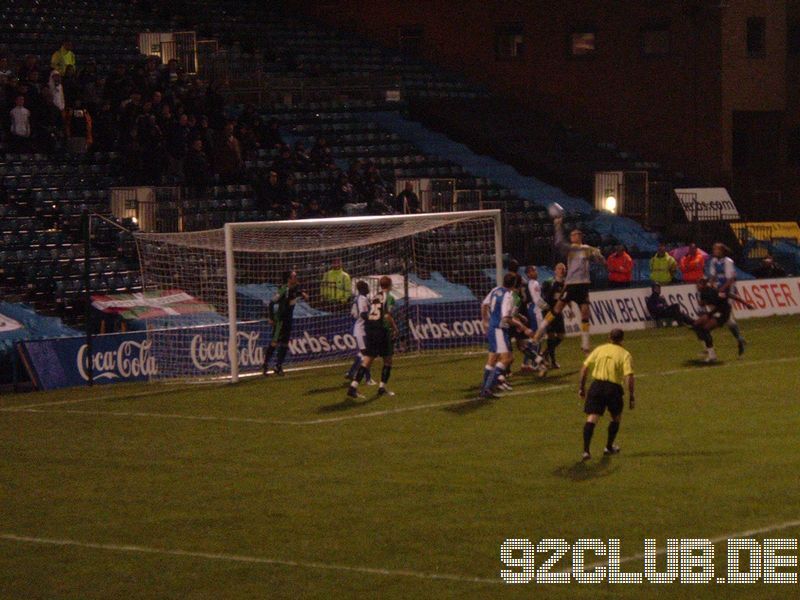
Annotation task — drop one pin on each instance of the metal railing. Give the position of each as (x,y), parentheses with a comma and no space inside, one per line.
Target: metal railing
(153,208)
(246,79)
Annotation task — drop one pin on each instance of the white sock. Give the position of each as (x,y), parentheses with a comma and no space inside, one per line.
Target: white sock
(584,340)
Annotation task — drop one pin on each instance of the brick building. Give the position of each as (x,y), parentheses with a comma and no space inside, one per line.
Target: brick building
(708,87)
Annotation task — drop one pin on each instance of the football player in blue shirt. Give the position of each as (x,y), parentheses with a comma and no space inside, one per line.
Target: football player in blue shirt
(497,312)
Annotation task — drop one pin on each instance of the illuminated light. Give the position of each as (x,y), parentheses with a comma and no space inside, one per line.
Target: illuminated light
(610,204)
(135,220)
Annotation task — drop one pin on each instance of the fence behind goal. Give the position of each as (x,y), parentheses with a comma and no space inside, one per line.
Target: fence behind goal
(441,266)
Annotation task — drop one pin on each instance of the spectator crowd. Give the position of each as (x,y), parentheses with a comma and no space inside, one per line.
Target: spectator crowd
(169,128)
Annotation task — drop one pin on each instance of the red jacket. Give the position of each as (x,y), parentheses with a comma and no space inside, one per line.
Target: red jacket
(620,268)
(693,267)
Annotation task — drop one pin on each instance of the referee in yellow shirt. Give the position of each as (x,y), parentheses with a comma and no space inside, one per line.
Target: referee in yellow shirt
(611,366)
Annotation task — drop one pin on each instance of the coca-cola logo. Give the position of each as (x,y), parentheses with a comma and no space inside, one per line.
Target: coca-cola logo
(130,359)
(213,354)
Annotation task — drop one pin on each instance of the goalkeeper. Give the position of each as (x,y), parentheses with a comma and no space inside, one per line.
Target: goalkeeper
(577,283)
(280,313)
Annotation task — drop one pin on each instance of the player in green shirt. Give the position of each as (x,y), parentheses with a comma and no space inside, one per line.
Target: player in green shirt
(516,332)
(280,314)
(389,303)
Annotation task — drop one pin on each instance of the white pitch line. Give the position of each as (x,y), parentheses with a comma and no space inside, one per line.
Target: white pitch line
(247,559)
(116,397)
(152,415)
(535,390)
(716,540)
(55,403)
(377,413)
(367,415)
(389,411)
(736,363)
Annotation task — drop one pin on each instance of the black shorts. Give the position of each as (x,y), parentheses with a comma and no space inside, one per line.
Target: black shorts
(722,313)
(281,332)
(556,325)
(602,395)
(378,343)
(577,293)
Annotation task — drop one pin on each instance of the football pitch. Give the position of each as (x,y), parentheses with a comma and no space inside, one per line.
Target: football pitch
(280,487)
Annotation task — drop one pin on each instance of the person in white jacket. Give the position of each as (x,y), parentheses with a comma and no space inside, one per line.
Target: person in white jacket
(20,124)
(56,90)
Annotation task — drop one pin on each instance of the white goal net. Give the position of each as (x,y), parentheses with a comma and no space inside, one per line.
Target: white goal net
(441,266)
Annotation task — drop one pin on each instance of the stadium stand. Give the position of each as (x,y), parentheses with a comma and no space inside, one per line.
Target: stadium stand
(273,95)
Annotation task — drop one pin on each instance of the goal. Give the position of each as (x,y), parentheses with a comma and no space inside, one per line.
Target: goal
(441,266)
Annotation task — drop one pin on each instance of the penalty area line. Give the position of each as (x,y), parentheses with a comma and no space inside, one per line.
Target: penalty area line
(297,423)
(212,418)
(240,558)
(104,398)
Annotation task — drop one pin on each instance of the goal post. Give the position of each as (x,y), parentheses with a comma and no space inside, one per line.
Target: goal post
(441,266)
(230,284)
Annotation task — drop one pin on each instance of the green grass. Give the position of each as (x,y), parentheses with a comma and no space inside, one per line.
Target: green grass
(284,469)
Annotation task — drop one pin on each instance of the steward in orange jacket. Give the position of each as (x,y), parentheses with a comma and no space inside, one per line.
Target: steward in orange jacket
(620,268)
(693,265)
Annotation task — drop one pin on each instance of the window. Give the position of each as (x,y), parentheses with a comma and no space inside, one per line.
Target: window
(411,38)
(582,43)
(793,39)
(656,40)
(756,37)
(793,146)
(509,41)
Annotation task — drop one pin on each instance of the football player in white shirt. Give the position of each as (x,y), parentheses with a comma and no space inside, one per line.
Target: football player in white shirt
(360,306)
(533,307)
(722,275)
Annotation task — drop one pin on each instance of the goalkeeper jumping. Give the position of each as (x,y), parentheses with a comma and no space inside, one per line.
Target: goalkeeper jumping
(280,313)
(577,284)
